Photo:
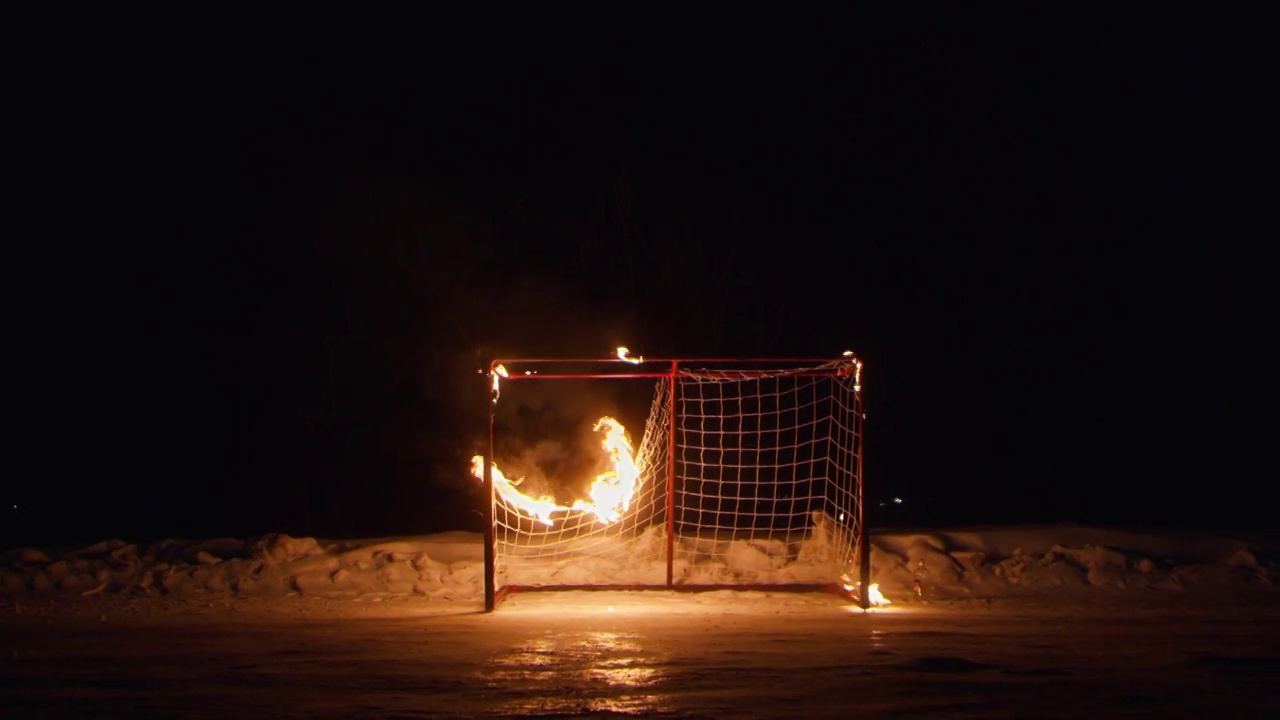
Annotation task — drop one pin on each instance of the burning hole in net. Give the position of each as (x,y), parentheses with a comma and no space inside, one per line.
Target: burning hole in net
(609,496)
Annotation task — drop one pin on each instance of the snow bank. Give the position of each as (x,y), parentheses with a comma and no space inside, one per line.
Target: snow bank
(444,566)
(963,563)
(1001,562)
(713,558)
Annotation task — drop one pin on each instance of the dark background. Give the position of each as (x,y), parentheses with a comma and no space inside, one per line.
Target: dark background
(254,261)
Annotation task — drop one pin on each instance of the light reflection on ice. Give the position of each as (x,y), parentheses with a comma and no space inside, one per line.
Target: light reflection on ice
(628,676)
(534,661)
(877,640)
(581,669)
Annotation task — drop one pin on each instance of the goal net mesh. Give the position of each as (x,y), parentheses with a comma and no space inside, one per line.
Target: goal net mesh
(766,490)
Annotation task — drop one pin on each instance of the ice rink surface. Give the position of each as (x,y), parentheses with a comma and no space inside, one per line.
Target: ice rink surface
(650,654)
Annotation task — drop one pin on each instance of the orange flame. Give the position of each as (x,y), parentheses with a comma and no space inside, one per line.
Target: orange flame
(498,372)
(873,592)
(539,508)
(611,492)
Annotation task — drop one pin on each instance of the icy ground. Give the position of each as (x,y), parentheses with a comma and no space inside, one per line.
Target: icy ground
(1023,622)
(615,654)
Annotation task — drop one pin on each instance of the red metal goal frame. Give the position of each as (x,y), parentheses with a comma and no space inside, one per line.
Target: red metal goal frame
(624,368)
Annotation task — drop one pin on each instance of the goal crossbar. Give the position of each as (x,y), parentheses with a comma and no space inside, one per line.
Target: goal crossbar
(692,456)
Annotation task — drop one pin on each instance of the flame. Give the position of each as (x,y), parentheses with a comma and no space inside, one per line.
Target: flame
(611,492)
(623,354)
(873,591)
(539,508)
(497,372)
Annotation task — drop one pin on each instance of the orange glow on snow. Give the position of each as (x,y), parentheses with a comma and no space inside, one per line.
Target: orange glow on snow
(610,493)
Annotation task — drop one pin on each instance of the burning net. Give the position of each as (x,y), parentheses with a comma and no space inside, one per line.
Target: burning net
(610,494)
(765,490)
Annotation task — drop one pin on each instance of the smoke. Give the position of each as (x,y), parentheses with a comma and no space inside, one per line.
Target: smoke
(543,429)
(544,432)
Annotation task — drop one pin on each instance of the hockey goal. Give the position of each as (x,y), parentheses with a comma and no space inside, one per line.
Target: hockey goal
(746,474)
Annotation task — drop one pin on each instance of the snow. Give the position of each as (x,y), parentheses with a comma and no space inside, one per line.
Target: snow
(1059,621)
(981,563)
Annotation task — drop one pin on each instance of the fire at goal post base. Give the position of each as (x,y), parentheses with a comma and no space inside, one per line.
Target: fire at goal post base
(747,476)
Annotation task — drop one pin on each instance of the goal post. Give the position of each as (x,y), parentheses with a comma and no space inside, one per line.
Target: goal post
(744,474)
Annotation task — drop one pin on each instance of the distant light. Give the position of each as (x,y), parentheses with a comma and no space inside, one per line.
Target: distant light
(897,501)
(842,516)
(881,504)
(848,353)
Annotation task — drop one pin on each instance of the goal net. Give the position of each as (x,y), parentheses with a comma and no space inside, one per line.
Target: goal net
(744,474)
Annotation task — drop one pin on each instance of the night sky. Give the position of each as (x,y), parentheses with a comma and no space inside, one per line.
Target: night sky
(255,262)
